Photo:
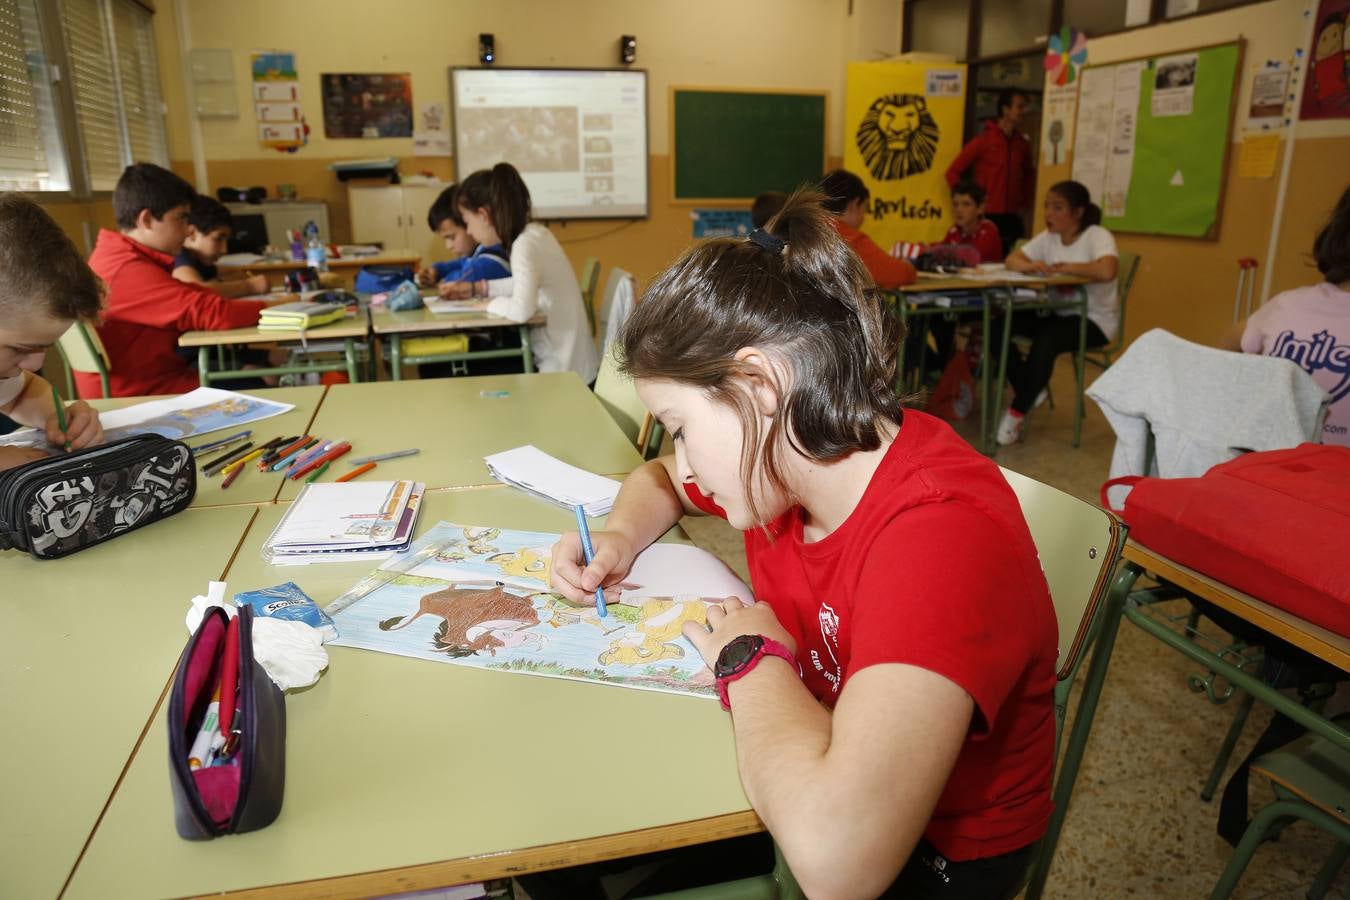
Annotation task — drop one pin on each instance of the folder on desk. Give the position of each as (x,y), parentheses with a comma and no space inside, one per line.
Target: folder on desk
(299,316)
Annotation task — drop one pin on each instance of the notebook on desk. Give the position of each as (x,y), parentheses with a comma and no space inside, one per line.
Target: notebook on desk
(333,522)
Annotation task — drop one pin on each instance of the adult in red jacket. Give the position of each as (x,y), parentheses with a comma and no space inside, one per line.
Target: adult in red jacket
(999,160)
(147,309)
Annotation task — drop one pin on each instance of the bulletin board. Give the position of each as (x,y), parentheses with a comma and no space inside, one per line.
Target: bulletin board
(730,144)
(1153,136)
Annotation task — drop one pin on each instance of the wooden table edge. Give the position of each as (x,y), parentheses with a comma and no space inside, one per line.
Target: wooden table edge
(1320,642)
(511,862)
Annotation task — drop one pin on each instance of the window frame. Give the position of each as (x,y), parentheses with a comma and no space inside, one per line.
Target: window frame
(57,53)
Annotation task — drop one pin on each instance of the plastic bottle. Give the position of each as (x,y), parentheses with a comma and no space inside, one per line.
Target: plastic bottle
(316,254)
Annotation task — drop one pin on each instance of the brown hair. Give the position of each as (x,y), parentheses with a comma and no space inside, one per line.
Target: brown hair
(148,186)
(503,192)
(812,305)
(40,269)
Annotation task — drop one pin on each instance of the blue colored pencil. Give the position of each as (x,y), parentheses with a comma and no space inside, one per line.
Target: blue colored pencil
(313,453)
(590,555)
(283,463)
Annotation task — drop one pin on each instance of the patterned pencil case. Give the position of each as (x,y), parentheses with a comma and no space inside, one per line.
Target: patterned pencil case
(227,733)
(56,506)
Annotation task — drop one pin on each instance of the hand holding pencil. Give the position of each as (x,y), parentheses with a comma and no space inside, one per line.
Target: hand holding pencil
(74,425)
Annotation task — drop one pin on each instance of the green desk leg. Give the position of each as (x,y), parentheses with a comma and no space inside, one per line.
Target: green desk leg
(526,352)
(349,348)
(986,394)
(992,411)
(1080,366)
(204,365)
(396,357)
(1111,614)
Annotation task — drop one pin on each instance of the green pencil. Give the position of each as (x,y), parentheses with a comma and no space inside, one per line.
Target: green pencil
(317,472)
(60,413)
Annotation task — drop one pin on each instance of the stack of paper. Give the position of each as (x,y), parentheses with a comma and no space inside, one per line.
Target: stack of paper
(534,471)
(443,307)
(333,522)
(298,316)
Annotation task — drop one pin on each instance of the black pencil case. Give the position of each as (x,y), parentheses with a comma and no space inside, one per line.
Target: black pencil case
(53,507)
(233,783)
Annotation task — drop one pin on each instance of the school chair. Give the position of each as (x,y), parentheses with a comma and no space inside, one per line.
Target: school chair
(1079,545)
(590,280)
(617,305)
(620,399)
(83,351)
(1127,267)
(1311,780)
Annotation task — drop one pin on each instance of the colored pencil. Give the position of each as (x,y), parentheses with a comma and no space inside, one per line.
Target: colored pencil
(233,474)
(60,414)
(221,442)
(216,465)
(359,470)
(589,551)
(286,461)
(317,472)
(328,457)
(381,457)
(311,454)
(273,453)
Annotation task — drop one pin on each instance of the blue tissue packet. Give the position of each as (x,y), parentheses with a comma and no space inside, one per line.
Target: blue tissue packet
(287,601)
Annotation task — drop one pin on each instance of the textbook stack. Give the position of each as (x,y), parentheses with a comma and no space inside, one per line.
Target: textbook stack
(299,316)
(337,522)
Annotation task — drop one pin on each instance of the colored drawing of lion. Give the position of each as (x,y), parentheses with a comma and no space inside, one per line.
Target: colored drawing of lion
(660,621)
(526,562)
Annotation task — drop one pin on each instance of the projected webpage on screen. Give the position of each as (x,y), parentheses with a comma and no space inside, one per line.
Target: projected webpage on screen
(578,137)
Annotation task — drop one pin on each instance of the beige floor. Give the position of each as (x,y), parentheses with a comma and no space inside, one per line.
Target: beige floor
(1137,826)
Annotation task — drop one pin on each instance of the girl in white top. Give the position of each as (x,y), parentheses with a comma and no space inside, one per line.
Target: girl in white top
(496,208)
(1073,243)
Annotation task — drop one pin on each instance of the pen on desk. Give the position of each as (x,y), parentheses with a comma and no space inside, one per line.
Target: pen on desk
(60,414)
(286,459)
(590,555)
(327,457)
(243,460)
(215,466)
(359,470)
(221,451)
(313,453)
(314,476)
(381,457)
(221,442)
(279,450)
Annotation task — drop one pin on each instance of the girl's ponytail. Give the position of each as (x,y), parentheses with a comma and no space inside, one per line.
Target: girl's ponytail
(503,192)
(1077,196)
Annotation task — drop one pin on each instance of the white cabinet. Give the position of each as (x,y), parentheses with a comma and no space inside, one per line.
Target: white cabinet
(395,216)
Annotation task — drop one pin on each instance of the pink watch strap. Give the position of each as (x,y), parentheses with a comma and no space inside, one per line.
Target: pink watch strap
(770,647)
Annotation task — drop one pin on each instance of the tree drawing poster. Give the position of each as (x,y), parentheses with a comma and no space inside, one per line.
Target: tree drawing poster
(483,600)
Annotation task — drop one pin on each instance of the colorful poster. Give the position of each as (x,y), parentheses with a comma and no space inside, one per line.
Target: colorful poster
(367,106)
(276,101)
(1326,90)
(1061,108)
(902,129)
(712,223)
(481,599)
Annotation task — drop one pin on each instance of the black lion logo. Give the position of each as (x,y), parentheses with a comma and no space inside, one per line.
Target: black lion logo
(898,137)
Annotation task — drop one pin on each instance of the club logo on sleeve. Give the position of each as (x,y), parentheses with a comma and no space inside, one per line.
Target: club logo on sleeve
(829,638)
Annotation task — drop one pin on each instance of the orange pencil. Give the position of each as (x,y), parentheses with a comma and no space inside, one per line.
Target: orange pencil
(357,471)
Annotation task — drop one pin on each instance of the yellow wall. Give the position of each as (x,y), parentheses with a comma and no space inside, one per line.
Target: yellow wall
(1187,286)
(753,43)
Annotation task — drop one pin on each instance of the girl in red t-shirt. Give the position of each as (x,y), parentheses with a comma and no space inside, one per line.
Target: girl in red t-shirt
(891,690)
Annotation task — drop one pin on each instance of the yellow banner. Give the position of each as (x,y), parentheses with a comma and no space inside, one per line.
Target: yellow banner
(902,129)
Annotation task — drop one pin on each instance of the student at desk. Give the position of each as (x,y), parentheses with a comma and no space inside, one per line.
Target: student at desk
(846,200)
(495,206)
(473,261)
(208,235)
(1073,243)
(890,691)
(44,288)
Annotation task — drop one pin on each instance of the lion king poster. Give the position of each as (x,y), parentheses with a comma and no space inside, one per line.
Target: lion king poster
(902,128)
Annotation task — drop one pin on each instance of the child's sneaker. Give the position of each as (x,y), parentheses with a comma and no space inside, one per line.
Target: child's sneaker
(1010,427)
(1043,396)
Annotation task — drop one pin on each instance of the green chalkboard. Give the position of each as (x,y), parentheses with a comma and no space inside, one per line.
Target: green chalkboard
(729,145)
(1180,160)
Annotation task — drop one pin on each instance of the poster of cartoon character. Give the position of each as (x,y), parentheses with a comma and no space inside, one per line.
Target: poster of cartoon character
(902,129)
(482,600)
(1326,89)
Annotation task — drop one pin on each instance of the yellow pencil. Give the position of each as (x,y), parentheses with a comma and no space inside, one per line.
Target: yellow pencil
(243,459)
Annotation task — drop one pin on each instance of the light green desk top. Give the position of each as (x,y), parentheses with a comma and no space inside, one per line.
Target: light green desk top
(420,774)
(87,645)
(455,427)
(423,320)
(251,486)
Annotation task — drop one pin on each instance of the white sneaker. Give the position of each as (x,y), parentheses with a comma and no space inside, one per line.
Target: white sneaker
(1010,428)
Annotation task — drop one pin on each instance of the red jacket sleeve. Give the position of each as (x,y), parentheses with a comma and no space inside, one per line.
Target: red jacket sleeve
(887,271)
(145,294)
(964,160)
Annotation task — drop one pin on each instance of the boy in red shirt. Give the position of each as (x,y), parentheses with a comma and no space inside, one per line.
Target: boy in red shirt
(971,227)
(147,308)
(846,200)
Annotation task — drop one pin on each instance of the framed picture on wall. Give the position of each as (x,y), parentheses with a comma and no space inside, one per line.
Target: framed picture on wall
(367,106)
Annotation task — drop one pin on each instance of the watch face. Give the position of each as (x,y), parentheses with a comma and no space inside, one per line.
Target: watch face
(737,654)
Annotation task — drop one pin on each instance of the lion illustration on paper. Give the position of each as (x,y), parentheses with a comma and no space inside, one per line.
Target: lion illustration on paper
(898,137)
(476,618)
(660,621)
(527,562)
(476,544)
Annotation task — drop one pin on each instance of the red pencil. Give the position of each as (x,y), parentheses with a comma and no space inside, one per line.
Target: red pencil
(318,461)
(357,471)
(285,452)
(229,479)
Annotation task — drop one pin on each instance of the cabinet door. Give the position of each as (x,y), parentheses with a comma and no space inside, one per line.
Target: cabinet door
(417,200)
(377,216)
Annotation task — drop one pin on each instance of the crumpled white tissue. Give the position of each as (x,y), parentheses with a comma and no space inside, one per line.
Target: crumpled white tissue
(291,652)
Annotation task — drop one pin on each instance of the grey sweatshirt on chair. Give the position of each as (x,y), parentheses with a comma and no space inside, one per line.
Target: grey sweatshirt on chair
(1204,405)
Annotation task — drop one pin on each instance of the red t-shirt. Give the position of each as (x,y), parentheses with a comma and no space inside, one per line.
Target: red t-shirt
(147,310)
(934,568)
(986,240)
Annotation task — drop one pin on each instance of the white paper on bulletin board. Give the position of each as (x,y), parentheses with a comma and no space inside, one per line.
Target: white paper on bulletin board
(278,112)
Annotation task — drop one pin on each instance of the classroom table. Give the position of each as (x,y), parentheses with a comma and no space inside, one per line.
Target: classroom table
(404,774)
(455,422)
(346,265)
(395,326)
(251,486)
(88,644)
(349,330)
(1122,602)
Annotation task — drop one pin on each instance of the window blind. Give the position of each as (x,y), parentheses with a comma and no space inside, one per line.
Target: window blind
(133,36)
(31,157)
(96,103)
